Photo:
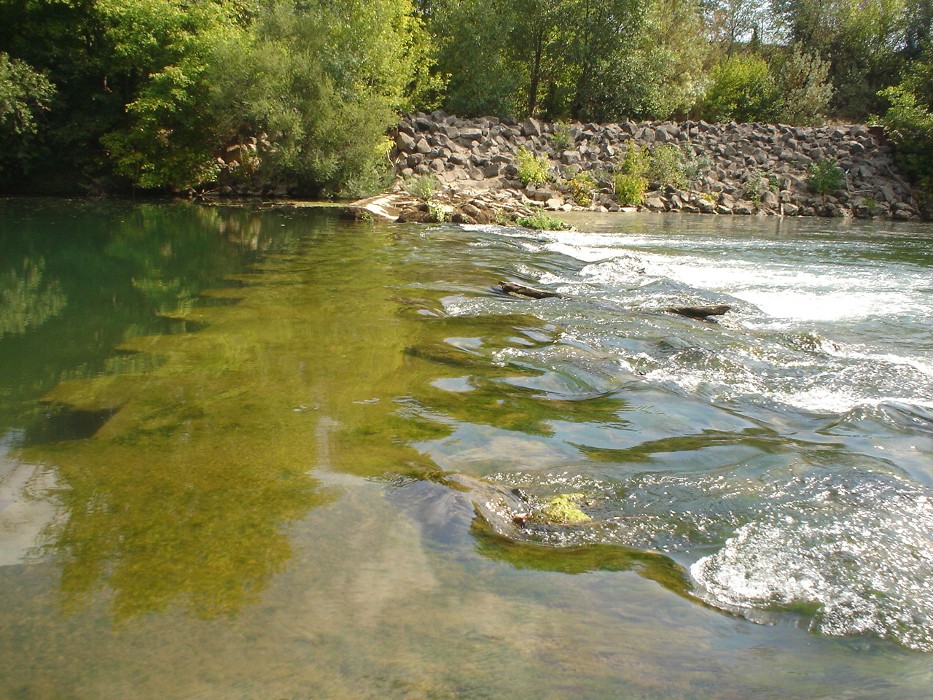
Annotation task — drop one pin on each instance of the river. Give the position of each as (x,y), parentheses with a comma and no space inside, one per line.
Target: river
(268,453)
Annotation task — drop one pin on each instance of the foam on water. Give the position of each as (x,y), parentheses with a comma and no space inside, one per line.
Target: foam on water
(860,552)
(801,290)
(815,386)
(850,550)
(774,300)
(822,336)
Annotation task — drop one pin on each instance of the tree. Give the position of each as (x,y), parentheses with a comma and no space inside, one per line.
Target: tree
(583,59)
(602,60)
(730,22)
(918,32)
(320,85)
(24,95)
(860,39)
(673,72)
(803,86)
(167,48)
(909,123)
(741,88)
(535,42)
(145,95)
(475,48)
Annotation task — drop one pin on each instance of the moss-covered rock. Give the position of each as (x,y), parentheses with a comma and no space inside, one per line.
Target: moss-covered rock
(563,509)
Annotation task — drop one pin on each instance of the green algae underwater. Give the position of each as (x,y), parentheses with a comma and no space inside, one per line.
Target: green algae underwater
(232,448)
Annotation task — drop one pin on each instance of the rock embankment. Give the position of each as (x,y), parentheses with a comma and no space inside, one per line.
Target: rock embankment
(733,169)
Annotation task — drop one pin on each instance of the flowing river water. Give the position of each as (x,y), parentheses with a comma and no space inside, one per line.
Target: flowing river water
(274,454)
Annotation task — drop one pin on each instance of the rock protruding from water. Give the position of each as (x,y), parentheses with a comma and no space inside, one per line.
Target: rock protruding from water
(700,312)
(738,169)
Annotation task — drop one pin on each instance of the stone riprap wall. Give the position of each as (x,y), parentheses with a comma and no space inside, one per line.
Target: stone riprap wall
(749,168)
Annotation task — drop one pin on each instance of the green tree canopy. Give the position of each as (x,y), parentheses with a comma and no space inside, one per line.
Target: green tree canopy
(24,94)
(909,123)
(741,88)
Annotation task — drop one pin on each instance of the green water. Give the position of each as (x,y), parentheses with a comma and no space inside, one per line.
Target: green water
(257,454)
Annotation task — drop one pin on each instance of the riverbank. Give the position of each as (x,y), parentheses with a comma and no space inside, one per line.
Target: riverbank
(734,169)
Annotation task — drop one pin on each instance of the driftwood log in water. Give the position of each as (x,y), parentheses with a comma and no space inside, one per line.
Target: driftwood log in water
(520,290)
(700,312)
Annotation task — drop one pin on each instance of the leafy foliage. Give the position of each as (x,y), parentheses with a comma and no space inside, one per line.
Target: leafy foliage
(825,177)
(909,123)
(741,88)
(859,39)
(173,94)
(695,164)
(630,189)
(562,137)
(630,182)
(324,112)
(734,21)
(423,187)
(671,78)
(437,213)
(24,95)
(635,160)
(667,166)
(532,169)
(756,185)
(804,88)
(587,59)
(474,51)
(541,222)
(180,94)
(581,189)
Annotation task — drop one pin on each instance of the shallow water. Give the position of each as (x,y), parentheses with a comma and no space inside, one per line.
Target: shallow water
(275,454)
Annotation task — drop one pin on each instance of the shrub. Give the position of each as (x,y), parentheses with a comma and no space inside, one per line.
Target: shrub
(630,189)
(757,184)
(667,166)
(436,212)
(562,138)
(695,165)
(825,177)
(423,187)
(532,169)
(581,189)
(635,160)
(541,221)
